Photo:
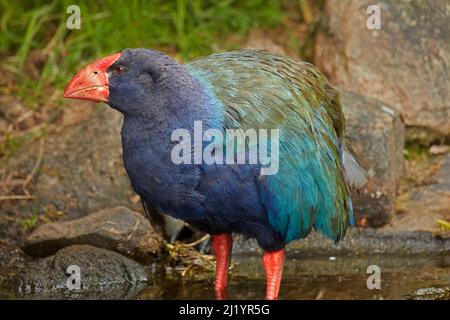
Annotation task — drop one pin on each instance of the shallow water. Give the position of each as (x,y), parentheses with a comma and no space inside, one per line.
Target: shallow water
(322,278)
(341,277)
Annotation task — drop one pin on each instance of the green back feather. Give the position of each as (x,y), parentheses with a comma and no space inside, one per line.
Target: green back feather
(261,90)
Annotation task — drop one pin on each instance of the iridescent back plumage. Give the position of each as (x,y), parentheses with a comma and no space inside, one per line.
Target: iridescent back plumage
(260,90)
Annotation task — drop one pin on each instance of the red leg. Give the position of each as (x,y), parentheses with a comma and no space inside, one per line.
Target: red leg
(273,263)
(222,244)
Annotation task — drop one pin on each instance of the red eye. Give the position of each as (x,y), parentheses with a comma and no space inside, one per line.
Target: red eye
(119,70)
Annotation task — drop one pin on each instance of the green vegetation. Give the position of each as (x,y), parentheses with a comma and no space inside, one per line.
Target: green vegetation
(189,28)
(29,223)
(415,151)
(39,54)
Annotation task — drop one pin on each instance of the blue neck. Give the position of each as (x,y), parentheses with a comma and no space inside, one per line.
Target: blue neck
(147,147)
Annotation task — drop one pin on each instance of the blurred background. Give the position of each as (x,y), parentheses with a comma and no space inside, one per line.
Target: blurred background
(60,160)
(39,49)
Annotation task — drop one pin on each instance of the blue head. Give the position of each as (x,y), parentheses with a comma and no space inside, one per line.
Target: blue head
(141,83)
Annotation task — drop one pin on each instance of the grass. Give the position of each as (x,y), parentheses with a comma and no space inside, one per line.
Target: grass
(39,54)
(415,151)
(188,28)
(29,223)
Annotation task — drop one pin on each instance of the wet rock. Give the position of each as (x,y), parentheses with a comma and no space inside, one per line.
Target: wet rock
(376,133)
(404,64)
(82,169)
(431,293)
(118,229)
(103,274)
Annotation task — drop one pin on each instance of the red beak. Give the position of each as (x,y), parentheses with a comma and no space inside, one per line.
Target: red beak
(91,83)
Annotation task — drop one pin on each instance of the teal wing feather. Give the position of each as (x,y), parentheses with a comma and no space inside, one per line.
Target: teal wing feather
(261,90)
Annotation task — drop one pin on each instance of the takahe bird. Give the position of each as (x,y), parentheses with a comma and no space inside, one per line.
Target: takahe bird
(234,90)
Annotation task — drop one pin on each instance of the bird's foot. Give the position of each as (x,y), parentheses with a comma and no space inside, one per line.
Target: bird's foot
(273,264)
(222,244)
(221,294)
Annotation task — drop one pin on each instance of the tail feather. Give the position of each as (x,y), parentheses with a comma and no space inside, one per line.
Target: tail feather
(354,174)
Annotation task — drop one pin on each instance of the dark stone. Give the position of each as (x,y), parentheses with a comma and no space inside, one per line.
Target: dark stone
(104,273)
(376,133)
(118,229)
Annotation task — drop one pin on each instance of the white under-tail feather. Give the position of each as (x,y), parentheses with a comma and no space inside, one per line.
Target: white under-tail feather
(354,174)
